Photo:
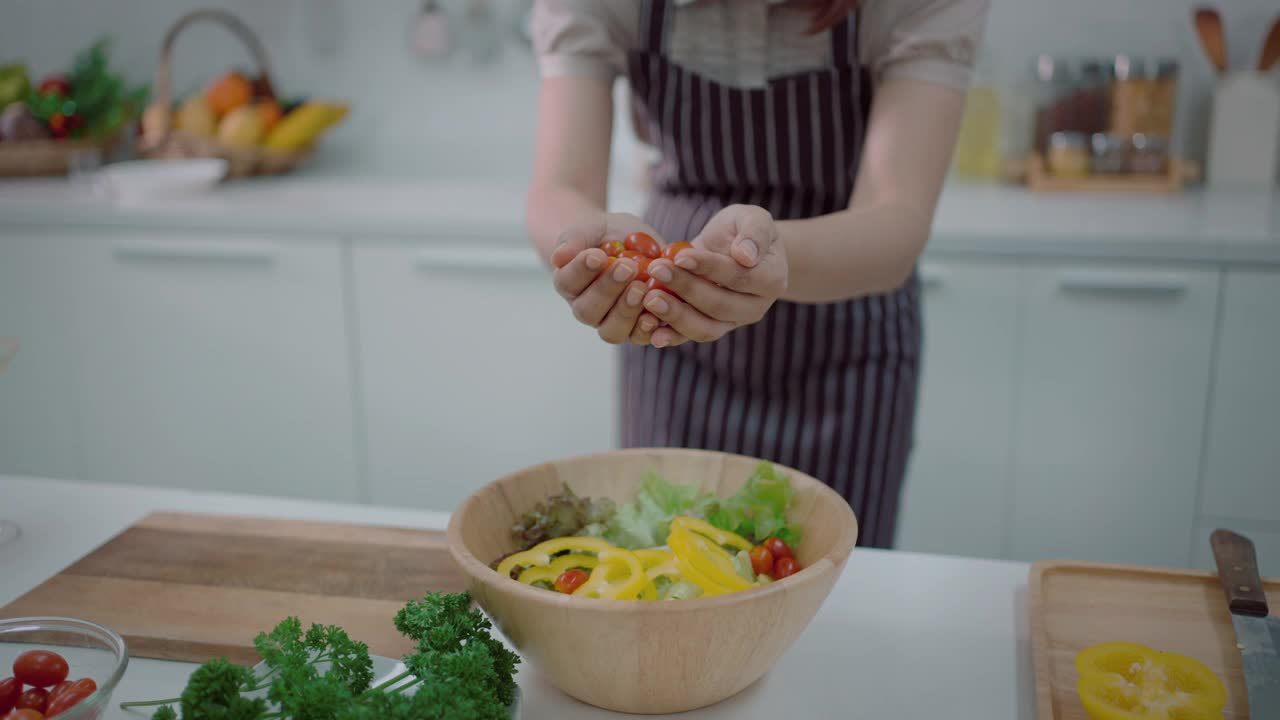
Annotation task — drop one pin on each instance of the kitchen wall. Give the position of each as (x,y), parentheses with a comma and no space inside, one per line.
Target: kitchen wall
(458,118)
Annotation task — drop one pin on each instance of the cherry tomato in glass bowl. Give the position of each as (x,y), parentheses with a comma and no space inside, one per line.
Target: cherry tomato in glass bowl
(40,668)
(644,244)
(784,567)
(669,252)
(779,548)
(10,689)
(612,248)
(570,580)
(761,560)
(69,696)
(35,699)
(25,714)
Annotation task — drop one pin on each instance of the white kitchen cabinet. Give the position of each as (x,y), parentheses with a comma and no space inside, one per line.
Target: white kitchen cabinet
(1112,386)
(1265,544)
(956,494)
(39,430)
(471,366)
(1242,467)
(216,363)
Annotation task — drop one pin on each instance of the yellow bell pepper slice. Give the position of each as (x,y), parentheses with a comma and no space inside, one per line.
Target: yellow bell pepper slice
(693,575)
(721,537)
(557,567)
(710,560)
(604,582)
(540,554)
(1127,681)
(650,557)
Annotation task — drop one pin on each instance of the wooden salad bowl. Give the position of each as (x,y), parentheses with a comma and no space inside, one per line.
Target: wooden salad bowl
(649,657)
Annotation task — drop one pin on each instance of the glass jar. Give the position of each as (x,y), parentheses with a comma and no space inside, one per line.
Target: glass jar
(1130,96)
(1164,99)
(1053,85)
(1092,99)
(1109,153)
(1068,154)
(1148,154)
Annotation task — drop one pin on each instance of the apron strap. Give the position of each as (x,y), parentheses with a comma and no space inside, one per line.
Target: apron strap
(844,40)
(653,18)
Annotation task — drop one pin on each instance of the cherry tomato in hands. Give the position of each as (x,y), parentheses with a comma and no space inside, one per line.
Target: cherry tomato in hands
(644,244)
(784,567)
(40,668)
(761,560)
(613,248)
(570,580)
(35,699)
(73,693)
(779,548)
(643,264)
(25,714)
(670,251)
(10,689)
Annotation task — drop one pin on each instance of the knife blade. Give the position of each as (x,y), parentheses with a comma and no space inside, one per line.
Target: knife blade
(1257,633)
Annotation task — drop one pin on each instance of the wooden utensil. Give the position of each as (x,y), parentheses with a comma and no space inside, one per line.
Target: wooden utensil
(649,657)
(1212,38)
(1078,605)
(1270,48)
(195,587)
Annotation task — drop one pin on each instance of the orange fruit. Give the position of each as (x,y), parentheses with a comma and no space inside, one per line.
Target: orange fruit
(269,113)
(228,93)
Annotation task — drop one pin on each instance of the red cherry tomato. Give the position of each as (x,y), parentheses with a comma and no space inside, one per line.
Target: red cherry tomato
(761,560)
(632,255)
(779,548)
(784,567)
(570,580)
(41,668)
(643,244)
(35,699)
(53,691)
(58,126)
(612,248)
(25,714)
(70,696)
(55,84)
(643,264)
(10,689)
(669,252)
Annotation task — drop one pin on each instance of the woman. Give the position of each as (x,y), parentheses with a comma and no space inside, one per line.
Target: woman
(803,147)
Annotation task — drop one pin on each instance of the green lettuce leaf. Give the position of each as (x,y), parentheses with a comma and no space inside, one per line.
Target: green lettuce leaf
(646,521)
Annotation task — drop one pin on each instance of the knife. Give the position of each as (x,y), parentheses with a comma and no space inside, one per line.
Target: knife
(1257,634)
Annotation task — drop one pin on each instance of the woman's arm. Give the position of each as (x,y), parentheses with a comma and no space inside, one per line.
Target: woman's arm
(872,246)
(571,159)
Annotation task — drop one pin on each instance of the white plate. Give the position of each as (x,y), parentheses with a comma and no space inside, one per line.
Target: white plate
(138,180)
(384,668)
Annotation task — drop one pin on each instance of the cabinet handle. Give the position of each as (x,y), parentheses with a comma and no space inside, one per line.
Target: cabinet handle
(477,259)
(1098,281)
(932,276)
(199,251)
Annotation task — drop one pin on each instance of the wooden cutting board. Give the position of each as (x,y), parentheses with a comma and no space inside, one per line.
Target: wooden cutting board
(191,587)
(1077,605)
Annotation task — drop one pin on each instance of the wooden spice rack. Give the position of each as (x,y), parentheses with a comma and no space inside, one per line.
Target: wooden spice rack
(1180,172)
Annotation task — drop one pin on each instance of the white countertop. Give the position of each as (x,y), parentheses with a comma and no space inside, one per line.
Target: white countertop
(1197,226)
(902,636)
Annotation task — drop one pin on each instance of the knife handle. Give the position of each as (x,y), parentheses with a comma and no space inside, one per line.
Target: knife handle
(1238,568)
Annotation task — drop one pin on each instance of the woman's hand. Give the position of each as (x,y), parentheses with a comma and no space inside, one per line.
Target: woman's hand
(731,276)
(608,301)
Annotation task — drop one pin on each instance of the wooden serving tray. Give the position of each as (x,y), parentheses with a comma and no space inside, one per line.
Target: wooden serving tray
(1077,605)
(181,586)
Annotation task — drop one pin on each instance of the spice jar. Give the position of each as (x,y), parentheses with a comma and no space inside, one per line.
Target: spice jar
(1163,88)
(1091,101)
(1053,85)
(1130,96)
(1109,153)
(1148,154)
(1068,156)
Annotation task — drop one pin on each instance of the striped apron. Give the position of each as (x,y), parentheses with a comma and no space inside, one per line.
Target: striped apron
(828,389)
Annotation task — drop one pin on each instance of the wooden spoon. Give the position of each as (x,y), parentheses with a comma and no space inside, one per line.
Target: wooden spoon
(1270,48)
(1212,38)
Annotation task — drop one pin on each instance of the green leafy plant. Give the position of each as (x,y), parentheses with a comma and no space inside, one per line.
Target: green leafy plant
(96,103)
(458,671)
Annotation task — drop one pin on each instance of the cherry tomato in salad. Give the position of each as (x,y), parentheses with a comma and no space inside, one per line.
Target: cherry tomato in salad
(40,668)
(25,714)
(35,699)
(784,567)
(612,248)
(69,696)
(10,689)
(670,251)
(644,244)
(570,580)
(761,560)
(779,548)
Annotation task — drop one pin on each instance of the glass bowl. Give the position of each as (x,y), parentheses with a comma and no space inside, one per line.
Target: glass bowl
(91,650)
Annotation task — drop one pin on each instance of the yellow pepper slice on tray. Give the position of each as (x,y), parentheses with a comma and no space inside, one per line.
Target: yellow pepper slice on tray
(1127,681)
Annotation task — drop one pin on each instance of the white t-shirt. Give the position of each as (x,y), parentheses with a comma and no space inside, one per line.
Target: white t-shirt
(744,43)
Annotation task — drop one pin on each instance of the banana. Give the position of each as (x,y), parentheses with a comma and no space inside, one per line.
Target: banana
(302,126)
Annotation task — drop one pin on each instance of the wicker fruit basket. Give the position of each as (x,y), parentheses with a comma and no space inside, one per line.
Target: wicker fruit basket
(30,158)
(161,139)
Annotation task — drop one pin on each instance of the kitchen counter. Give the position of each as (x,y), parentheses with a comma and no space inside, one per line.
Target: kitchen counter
(1199,226)
(902,636)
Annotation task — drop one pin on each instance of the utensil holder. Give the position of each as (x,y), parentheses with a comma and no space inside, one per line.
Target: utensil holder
(1244,130)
